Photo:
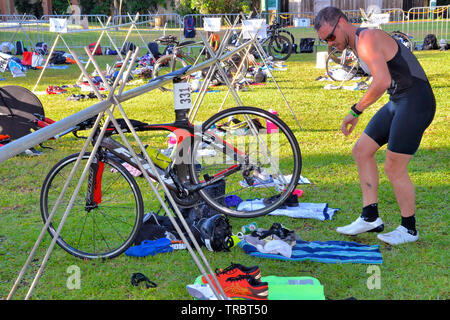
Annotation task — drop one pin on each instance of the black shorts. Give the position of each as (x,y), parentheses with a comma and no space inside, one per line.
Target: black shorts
(402,121)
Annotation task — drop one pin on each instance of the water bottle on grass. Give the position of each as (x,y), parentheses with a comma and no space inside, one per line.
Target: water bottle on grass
(271,127)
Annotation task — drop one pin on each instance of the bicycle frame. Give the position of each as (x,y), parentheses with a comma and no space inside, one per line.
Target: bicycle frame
(177,52)
(186,135)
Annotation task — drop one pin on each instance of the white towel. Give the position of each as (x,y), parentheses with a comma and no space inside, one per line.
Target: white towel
(319,211)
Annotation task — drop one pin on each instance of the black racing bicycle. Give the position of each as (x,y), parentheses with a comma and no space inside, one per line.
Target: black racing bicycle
(232,146)
(279,42)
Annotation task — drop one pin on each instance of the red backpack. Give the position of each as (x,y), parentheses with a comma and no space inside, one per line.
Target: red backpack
(98,51)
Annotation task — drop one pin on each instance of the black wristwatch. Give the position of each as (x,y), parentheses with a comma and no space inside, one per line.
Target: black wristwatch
(356,110)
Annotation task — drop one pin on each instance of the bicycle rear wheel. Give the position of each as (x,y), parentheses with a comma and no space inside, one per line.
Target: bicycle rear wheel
(280,47)
(403,39)
(103,228)
(261,170)
(342,65)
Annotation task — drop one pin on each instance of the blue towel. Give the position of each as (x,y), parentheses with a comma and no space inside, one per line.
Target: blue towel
(326,252)
(59,67)
(151,247)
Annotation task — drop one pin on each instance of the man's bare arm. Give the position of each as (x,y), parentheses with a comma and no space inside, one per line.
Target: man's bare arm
(371,51)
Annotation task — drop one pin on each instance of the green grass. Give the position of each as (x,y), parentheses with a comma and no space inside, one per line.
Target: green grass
(412,271)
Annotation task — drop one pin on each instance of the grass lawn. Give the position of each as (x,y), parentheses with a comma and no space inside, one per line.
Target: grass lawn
(412,271)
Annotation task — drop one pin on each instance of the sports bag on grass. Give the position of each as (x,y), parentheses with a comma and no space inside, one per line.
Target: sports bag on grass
(430,42)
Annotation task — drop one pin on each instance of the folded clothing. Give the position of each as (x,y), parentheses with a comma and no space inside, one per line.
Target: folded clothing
(272,246)
(270,182)
(319,211)
(325,252)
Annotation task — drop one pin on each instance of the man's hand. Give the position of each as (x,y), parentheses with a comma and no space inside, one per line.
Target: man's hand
(348,120)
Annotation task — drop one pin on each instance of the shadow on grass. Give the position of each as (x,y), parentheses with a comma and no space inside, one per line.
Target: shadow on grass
(426,160)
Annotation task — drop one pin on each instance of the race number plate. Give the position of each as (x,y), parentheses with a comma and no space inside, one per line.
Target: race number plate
(182,95)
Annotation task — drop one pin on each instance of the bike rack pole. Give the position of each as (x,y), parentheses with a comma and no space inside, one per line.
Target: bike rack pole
(264,58)
(239,68)
(109,36)
(161,182)
(140,36)
(47,61)
(247,118)
(68,208)
(96,44)
(193,112)
(69,179)
(58,201)
(212,70)
(204,87)
(17,146)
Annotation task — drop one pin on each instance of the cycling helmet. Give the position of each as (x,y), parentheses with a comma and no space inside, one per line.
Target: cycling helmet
(215,232)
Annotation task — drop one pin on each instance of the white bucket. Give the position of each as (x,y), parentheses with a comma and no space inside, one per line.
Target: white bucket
(301,23)
(321,59)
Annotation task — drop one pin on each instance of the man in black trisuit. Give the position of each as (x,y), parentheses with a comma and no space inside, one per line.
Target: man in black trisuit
(400,123)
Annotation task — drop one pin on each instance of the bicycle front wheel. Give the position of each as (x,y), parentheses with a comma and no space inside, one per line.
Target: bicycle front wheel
(257,156)
(107,211)
(288,35)
(280,47)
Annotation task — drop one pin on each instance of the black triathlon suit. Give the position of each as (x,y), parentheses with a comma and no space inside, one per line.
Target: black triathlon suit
(402,121)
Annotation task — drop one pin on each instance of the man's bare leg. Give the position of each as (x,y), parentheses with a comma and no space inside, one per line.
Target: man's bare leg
(364,155)
(396,168)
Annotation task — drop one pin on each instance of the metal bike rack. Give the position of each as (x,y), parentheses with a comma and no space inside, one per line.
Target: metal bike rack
(204,87)
(107,105)
(104,29)
(22,20)
(265,59)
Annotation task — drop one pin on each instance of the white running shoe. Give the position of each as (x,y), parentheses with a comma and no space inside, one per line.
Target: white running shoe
(398,236)
(360,225)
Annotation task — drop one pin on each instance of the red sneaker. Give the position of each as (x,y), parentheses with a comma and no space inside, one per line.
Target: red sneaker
(235,270)
(246,287)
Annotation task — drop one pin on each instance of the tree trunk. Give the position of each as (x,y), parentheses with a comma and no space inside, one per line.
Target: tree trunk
(47,6)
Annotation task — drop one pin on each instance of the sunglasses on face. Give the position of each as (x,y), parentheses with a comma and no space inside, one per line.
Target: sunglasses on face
(331,36)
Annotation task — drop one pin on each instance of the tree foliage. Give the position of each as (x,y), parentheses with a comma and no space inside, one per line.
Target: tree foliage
(221,6)
(142,6)
(22,6)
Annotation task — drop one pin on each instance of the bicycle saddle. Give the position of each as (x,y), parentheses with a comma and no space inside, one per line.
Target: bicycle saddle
(174,74)
(166,40)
